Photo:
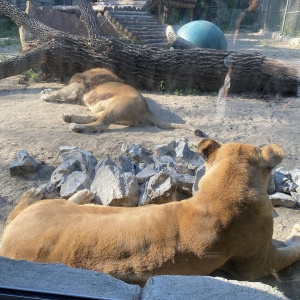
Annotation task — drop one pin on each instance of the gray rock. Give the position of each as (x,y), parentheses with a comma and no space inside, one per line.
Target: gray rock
(199,174)
(281,199)
(160,167)
(64,149)
(106,161)
(159,189)
(283,181)
(132,150)
(281,175)
(115,187)
(73,159)
(207,288)
(23,164)
(75,172)
(85,158)
(195,164)
(164,161)
(189,167)
(271,185)
(295,175)
(58,278)
(126,164)
(75,182)
(184,182)
(61,173)
(178,149)
(184,160)
(136,152)
(183,168)
(49,191)
(138,167)
(143,197)
(296,197)
(145,174)
(165,149)
(182,151)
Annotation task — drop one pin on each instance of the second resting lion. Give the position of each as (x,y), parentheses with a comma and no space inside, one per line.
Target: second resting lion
(110,101)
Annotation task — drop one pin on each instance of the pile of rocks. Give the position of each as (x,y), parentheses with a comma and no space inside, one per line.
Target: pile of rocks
(139,176)
(284,187)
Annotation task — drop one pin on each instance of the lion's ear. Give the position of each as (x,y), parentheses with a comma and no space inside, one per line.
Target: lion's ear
(207,147)
(272,155)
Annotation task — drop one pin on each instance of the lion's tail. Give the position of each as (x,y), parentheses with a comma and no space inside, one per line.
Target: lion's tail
(166,125)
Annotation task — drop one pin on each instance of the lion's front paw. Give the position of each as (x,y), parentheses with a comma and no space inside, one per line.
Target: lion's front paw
(88,195)
(294,237)
(67,118)
(76,128)
(82,197)
(45,94)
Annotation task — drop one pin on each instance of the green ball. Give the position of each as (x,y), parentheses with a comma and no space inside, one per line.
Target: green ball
(203,34)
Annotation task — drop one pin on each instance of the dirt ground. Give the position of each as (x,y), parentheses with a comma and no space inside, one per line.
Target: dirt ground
(31,124)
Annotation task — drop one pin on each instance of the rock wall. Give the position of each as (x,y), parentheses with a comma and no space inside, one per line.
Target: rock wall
(139,176)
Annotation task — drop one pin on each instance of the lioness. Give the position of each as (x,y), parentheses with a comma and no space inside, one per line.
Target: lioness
(110,100)
(227,224)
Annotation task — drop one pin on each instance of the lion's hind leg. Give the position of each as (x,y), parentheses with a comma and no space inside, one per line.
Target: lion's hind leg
(269,259)
(82,197)
(104,119)
(112,114)
(91,118)
(31,196)
(80,119)
(286,256)
(294,237)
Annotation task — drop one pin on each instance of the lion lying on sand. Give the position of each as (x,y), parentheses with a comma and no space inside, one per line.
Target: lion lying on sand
(110,100)
(227,224)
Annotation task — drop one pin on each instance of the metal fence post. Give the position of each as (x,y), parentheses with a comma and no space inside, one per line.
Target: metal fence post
(268,13)
(284,18)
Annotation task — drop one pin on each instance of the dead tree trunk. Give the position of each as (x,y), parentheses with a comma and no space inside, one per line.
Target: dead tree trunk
(145,67)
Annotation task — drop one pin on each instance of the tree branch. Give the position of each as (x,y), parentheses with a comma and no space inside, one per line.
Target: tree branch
(21,63)
(90,19)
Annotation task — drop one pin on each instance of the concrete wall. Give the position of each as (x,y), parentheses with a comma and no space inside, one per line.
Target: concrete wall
(58,278)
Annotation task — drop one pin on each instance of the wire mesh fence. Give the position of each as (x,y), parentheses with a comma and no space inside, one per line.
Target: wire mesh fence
(291,25)
(281,15)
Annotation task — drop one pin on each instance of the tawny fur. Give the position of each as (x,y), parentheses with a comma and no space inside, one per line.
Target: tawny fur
(110,100)
(227,225)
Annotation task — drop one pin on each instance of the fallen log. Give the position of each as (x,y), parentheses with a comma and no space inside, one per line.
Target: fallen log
(63,54)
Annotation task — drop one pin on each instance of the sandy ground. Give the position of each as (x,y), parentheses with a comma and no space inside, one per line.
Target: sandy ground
(28,123)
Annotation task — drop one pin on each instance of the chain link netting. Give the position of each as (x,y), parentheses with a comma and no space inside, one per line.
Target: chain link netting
(281,15)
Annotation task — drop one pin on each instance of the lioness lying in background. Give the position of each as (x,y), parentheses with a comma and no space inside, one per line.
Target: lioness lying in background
(227,224)
(110,100)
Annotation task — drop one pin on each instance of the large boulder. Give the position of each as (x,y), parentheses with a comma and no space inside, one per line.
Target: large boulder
(114,187)
(159,189)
